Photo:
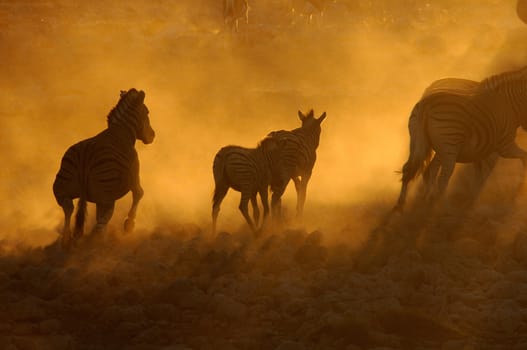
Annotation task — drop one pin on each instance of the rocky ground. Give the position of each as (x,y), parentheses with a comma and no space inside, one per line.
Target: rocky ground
(448,282)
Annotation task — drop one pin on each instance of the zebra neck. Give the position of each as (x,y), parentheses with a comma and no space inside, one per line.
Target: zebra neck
(308,134)
(517,99)
(124,133)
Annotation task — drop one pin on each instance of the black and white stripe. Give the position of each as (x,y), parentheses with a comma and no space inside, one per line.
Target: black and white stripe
(297,160)
(463,121)
(105,167)
(246,170)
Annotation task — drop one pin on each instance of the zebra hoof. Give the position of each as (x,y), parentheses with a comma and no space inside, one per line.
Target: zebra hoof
(129,225)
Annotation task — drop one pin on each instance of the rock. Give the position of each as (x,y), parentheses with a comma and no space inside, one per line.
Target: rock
(519,249)
(416,325)
(28,309)
(184,294)
(229,308)
(161,312)
(290,345)
(50,326)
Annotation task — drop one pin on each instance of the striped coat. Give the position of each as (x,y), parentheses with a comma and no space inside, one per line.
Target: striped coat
(297,160)
(246,170)
(105,167)
(465,123)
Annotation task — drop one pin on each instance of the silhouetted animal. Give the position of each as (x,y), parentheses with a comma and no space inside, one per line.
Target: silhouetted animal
(309,8)
(464,123)
(298,156)
(246,170)
(233,11)
(105,167)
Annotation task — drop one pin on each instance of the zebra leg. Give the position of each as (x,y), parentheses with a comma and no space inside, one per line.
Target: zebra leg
(244,208)
(104,212)
(448,163)
(430,177)
(265,203)
(278,188)
(276,202)
(513,151)
(256,211)
(219,193)
(482,169)
(137,194)
(67,207)
(301,189)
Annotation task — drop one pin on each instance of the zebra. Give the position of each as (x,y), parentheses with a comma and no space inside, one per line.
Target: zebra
(246,170)
(233,10)
(105,167)
(298,157)
(464,123)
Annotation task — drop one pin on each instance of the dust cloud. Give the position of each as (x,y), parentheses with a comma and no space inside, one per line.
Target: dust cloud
(365,63)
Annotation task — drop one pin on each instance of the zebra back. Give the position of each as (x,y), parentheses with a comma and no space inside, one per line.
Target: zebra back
(455,86)
(242,167)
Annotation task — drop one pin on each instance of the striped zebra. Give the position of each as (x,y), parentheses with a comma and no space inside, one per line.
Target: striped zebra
(246,170)
(105,167)
(460,121)
(233,11)
(298,156)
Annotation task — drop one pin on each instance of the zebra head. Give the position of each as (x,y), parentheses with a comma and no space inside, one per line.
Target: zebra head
(132,114)
(144,130)
(311,125)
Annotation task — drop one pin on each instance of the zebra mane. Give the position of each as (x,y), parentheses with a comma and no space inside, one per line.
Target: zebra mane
(128,99)
(495,82)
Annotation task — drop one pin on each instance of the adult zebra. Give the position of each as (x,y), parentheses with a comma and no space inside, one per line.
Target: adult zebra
(105,167)
(246,170)
(464,125)
(297,160)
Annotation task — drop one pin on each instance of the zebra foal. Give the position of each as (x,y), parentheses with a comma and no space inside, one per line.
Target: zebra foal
(105,167)
(246,170)
(462,121)
(297,159)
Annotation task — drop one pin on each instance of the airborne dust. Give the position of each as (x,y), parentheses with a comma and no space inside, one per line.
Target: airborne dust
(335,281)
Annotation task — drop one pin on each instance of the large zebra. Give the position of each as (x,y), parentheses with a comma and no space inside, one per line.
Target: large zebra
(465,123)
(246,170)
(298,156)
(105,167)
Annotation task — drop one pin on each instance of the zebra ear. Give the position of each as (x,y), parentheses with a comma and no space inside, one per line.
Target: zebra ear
(141,96)
(301,116)
(322,117)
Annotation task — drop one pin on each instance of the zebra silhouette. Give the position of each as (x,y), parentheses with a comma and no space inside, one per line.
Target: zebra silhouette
(233,11)
(246,170)
(105,167)
(297,159)
(461,121)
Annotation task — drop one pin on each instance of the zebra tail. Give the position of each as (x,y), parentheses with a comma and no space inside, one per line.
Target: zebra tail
(218,169)
(420,147)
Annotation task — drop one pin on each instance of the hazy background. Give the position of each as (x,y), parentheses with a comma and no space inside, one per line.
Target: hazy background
(365,63)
